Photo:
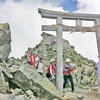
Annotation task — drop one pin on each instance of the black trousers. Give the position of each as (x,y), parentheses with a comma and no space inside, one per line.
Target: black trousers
(66,77)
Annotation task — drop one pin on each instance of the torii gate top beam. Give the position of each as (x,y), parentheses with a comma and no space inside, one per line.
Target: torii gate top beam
(54,14)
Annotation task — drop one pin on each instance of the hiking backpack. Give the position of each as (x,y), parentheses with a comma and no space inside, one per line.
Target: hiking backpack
(37,65)
(48,72)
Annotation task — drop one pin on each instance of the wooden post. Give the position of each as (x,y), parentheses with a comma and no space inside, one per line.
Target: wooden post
(97,22)
(59,74)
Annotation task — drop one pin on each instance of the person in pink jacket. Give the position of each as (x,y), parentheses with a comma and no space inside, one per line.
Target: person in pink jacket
(53,68)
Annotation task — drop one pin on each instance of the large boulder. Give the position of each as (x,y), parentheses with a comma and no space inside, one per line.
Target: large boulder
(2,82)
(5,41)
(27,77)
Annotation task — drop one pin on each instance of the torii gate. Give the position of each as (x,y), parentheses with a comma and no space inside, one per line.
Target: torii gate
(59,28)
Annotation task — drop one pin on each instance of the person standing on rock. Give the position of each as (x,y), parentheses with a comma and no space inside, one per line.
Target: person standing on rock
(25,54)
(37,46)
(53,42)
(50,44)
(67,69)
(52,69)
(40,66)
(98,70)
(36,59)
(28,57)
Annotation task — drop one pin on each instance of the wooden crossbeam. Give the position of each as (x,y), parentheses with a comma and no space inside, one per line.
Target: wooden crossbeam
(64,28)
(73,16)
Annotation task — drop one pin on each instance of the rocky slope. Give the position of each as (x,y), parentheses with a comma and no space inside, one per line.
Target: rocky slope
(20,80)
(85,70)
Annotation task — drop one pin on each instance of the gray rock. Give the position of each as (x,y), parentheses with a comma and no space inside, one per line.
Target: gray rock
(7,86)
(55,99)
(13,97)
(2,82)
(65,90)
(14,68)
(6,70)
(89,71)
(27,77)
(73,96)
(11,61)
(5,41)
(18,63)
(83,87)
(86,80)
(24,61)
(30,93)
(17,91)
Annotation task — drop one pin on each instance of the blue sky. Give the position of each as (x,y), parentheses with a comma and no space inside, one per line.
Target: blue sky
(69,5)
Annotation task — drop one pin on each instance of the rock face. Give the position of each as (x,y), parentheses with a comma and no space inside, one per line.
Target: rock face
(5,41)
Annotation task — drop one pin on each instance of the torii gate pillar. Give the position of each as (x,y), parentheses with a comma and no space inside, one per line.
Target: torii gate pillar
(97,22)
(59,74)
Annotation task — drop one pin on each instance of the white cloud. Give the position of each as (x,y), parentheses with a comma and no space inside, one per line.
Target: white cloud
(89,6)
(87,44)
(25,23)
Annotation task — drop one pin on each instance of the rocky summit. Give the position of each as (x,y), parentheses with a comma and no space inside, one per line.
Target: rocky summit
(85,70)
(20,80)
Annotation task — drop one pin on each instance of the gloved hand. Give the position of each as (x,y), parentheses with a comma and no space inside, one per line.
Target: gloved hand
(53,77)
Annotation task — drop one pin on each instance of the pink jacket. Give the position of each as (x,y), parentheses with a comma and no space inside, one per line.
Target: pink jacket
(53,67)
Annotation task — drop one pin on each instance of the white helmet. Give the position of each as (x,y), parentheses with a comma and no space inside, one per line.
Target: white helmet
(67,60)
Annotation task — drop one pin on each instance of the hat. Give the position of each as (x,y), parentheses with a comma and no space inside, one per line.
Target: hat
(67,60)
(52,60)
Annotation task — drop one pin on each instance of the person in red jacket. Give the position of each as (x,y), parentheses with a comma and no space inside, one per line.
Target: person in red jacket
(53,68)
(51,71)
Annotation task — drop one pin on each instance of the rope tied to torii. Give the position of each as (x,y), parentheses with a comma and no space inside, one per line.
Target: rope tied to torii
(81,28)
